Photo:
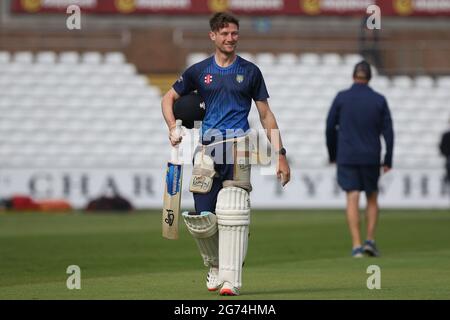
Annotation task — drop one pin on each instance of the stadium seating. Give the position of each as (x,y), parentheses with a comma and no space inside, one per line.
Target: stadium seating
(76,110)
(302,88)
(94,110)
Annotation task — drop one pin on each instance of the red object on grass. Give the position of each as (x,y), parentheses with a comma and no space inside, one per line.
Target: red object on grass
(23,203)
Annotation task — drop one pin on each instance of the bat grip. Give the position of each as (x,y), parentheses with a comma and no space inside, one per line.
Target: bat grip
(174,157)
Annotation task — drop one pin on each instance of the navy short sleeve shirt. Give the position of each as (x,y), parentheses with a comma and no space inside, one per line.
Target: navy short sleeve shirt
(227,92)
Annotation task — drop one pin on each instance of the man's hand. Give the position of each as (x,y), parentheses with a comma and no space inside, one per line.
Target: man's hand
(386,169)
(175,136)
(283,170)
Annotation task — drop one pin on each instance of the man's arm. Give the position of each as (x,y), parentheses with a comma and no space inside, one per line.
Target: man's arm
(269,123)
(184,85)
(444,146)
(388,135)
(331,131)
(167,109)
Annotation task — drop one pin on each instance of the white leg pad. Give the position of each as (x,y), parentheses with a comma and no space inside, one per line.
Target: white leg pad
(203,228)
(233,217)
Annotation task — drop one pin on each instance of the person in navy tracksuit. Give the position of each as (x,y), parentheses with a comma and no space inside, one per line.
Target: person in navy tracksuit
(444,146)
(355,122)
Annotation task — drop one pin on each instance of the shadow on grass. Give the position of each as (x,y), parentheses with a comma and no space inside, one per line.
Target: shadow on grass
(291,291)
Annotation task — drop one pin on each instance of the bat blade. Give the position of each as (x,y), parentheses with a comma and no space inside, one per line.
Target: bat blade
(172,201)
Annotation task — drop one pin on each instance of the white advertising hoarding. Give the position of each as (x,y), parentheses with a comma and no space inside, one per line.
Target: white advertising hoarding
(309,188)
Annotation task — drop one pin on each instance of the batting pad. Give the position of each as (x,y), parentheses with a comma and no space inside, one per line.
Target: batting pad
(203,228)
(233,217)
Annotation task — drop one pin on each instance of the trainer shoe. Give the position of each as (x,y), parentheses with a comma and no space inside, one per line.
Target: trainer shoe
(371,249)
(212,279)
(358,252)
(228,290)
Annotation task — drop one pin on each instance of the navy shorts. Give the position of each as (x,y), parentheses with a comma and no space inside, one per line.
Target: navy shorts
(224,170)
(358,177)
(207,201)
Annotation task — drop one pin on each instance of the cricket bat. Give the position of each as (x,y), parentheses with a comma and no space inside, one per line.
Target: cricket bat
(172,193)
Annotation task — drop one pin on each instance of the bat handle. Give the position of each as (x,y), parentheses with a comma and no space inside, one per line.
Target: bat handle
(174,157)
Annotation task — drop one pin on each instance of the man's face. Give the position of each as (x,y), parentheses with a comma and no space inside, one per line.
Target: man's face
(226,38)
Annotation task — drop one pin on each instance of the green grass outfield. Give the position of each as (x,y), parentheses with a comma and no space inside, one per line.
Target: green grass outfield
(292,255)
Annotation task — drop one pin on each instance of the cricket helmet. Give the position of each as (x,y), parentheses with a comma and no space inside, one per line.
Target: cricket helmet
(189,109)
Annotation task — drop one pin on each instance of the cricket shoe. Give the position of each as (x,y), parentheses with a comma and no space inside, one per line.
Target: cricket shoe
(358,252)
(371,249)
(228,290)
(212,279)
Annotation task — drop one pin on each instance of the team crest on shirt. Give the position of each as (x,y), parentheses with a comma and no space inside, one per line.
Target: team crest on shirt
(240,78)
(208,78)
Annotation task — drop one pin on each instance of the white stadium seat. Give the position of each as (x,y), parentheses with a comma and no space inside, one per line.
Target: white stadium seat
(46,57)
(403,82)
(423,82)
(126,69)
(23,57)
(331,59)
(309,59)
(5,57)
(380,83)
(444,82)
(265,59)
(69,57)
(193,58)
(91,58)
(287,59)
(247,56)
(352,59)
(14,68)
(115,58)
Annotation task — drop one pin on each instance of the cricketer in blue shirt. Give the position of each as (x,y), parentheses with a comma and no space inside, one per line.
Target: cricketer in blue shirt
(356,121)
(227,84)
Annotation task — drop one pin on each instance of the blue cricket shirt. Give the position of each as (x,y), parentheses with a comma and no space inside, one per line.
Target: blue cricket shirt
(227,92)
